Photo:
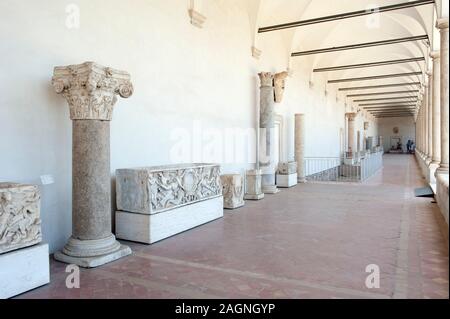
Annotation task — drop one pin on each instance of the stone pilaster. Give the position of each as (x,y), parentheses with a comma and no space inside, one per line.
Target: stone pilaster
(91,91)
(350,134)
(430,118)
(267,137)
(425,122)
(442,25)
(300,146)
(436,157)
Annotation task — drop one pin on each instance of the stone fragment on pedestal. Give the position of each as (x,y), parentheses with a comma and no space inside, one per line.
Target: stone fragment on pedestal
(24,263)
(233,191)
(287,174)
(267,133)
(91,91)
(253,185)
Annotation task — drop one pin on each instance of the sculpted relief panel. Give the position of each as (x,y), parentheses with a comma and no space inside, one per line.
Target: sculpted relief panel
(20,223)
(155,189)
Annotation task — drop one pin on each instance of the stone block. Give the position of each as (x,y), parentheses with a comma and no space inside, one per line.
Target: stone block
(286,181)
(233,191)
(24,269)
(150,228)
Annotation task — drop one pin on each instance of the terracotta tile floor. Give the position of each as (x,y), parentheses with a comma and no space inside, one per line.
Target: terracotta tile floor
(311,241)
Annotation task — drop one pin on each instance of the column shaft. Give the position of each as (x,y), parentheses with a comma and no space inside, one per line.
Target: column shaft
(300,146)
(442,24)
(91,181)
(436,157)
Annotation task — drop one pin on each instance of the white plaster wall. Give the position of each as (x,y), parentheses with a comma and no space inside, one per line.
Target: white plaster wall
(190,84)
(406,126)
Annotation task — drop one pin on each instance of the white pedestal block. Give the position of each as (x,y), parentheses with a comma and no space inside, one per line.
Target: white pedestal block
(145,228)
(24,269)
(287,181)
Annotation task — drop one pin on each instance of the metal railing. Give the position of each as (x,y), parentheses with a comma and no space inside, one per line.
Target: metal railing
(338,169)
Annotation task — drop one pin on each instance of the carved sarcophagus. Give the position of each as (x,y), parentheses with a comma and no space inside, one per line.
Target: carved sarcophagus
(20,223)
(150,190)
(157,202)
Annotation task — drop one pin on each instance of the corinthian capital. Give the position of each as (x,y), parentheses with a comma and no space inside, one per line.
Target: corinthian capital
(91,89)
(266,78)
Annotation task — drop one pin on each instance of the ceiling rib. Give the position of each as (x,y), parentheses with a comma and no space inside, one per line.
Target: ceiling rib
(346,15)
(378,86)
(388,98)
(368,65)
(360,45)
(382,93)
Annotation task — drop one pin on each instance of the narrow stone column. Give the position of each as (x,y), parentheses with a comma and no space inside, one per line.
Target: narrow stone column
(91,91)
(436,158)
(430,118)
(267,137)
(442,24)
(425,122)
(300,147)
(351,134)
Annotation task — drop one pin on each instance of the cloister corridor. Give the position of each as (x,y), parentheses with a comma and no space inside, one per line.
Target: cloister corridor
(311,241)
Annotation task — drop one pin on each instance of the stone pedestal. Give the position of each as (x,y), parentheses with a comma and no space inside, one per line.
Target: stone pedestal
(91,91)
(287,174)
(267,133)
(233,191)
(253,185)
(23,270)
(300,147)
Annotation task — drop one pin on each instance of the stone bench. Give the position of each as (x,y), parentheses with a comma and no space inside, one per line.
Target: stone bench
(154,203)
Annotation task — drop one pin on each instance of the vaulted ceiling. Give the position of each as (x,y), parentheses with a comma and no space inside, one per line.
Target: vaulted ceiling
(324,25)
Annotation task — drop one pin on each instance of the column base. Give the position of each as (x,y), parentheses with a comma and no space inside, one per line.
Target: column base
(254,196)
(92,253)
(270,189)
(432,167)
(441,170)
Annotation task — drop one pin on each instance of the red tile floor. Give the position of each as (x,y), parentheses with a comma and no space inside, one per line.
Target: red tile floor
(312,241)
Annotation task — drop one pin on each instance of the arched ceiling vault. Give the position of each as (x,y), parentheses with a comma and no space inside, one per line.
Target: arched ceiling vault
(403,23)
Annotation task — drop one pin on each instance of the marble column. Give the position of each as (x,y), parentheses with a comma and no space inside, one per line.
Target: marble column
(351,134)
(442,25)
(267,133)
(430,118)
(91,91)
(436,116)
(300,147)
